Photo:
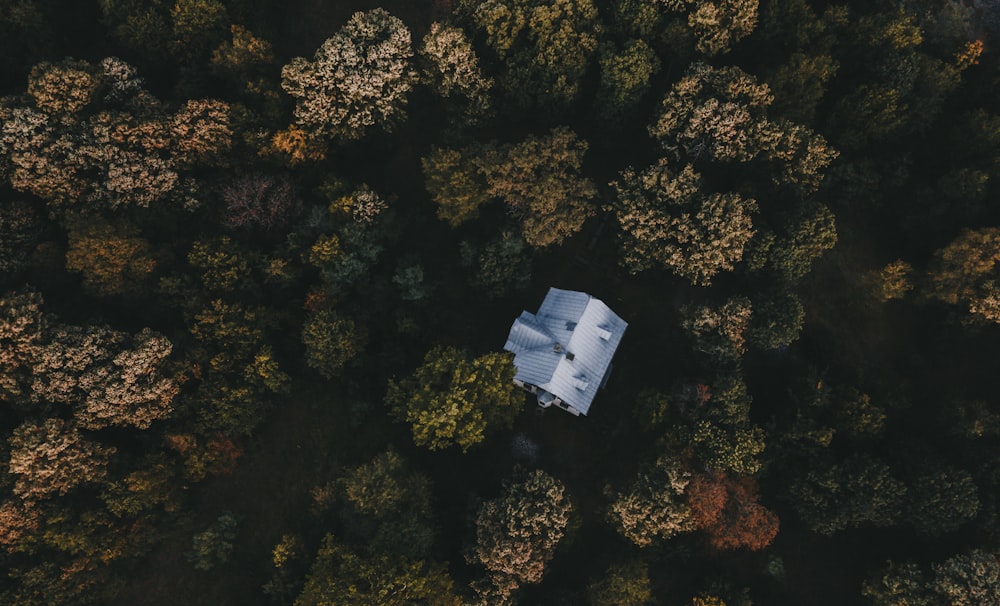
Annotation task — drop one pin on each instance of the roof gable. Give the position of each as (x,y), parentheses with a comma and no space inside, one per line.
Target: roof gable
(567,347)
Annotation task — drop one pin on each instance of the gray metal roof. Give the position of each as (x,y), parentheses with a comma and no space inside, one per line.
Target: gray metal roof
(568,322)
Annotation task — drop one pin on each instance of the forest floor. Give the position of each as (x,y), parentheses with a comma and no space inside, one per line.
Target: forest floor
(304,444)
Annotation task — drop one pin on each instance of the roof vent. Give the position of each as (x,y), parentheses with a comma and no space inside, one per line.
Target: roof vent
(570,356)
(580,383)
(557,348)
(604,333)
(570,325)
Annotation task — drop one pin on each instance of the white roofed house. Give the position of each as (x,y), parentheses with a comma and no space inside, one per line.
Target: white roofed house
(563,353)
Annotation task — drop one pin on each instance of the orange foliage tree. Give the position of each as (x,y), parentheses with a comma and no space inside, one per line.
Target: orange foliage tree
(728,510)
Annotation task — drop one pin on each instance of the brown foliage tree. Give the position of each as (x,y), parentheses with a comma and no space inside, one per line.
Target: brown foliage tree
(17,519)
(201,132)
(517,533)
(20,333)
(70,146)
(53,457)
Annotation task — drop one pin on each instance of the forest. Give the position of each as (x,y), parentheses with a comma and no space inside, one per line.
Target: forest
(259,260)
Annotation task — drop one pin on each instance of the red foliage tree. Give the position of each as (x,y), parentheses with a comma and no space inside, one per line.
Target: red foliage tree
(729,511)
(707,498)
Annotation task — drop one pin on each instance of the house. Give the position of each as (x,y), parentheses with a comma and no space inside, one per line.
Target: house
(563,353)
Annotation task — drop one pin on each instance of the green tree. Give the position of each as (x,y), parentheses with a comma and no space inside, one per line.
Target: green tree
(728,447)
(973,419)
(154,484)
(941,500)
(25,34)
(904,81)
(859,490)
(800,84)
(113,258)
(499,265)
(893,281)
(718,331)
(346,254)
(809,231)
(214,546)
(622,585)
(540,180)
(143,27)
(197,25)
(626,76)
(387,507)
(359,79)
(234,329)
(223,265)
(242,57)
(456,184)
(668,220)
(637,18)
(870,112)
(543,48)
(341,576)
(968,579)
(451,399)
(859,417)
(410,281)
(331,341)
(777,320)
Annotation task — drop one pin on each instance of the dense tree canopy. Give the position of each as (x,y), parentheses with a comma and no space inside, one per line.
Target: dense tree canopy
(453,400)
(668,220)
(387,507)
(53,458)
(454,71)
(358,80)
(539,179)
(963,273)
(654,507)
(517,533)
(543,48)
(283,243)
(339,576)
(89,136)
